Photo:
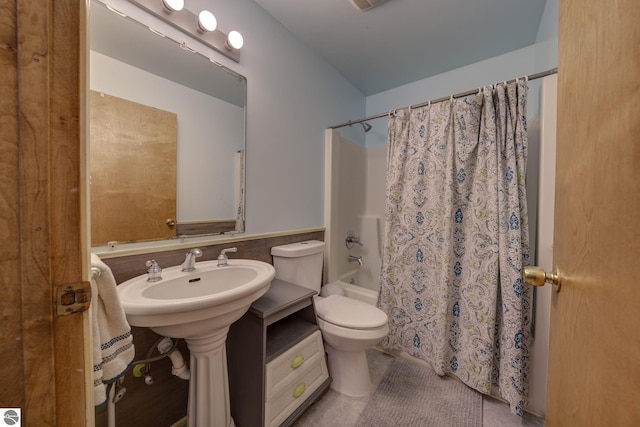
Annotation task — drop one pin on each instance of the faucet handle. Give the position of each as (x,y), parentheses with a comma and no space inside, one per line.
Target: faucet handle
(222,258)
(153,266)
(154,271)
(224,251)
(352,239)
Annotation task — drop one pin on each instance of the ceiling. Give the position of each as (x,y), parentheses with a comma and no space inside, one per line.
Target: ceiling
(402,41)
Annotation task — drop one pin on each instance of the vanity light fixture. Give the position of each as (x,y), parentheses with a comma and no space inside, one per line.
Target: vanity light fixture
(234,40)
(207,21)
(202,27)
(173,5)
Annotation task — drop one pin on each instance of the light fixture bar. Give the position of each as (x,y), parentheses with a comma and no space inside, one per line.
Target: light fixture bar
(187,22)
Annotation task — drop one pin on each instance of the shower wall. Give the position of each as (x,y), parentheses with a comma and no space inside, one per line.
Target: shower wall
(546,169)
(354,201)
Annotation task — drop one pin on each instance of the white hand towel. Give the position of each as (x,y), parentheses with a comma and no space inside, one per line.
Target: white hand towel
(113,349)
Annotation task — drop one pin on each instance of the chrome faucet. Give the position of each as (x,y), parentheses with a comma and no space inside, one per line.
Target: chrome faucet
(189,263)
(358,259)
(222,258)
(154,271)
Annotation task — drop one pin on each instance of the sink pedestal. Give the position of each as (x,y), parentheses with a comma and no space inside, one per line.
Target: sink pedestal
(209,386)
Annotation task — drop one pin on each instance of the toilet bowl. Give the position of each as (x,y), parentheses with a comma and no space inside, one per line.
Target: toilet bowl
(349,327)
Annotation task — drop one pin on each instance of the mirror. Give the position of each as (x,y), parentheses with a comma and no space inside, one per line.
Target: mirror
(134,74)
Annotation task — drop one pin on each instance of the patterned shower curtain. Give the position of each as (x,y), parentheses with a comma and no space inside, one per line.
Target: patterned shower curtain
(457,238)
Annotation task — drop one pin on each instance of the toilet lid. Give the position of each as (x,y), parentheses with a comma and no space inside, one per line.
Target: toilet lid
(349,312)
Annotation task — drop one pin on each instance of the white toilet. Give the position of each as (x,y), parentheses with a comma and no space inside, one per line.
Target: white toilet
(348,326)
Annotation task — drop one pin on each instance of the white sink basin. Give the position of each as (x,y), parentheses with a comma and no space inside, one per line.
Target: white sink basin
(176,305)
(199,306)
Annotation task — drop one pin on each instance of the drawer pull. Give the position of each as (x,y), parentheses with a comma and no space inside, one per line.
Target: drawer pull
(299,390)
(297,361)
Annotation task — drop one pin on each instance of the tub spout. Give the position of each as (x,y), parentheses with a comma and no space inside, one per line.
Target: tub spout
(358,259)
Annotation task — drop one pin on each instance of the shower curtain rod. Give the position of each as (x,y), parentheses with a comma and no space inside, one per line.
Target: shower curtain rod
(444,98)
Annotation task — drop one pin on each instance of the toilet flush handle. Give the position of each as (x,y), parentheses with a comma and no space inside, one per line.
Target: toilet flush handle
(222,258)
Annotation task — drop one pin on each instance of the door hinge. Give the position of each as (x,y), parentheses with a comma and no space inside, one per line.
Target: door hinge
(73,298)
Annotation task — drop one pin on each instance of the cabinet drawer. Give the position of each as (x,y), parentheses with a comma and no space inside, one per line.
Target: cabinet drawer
(296,389)
(305,352)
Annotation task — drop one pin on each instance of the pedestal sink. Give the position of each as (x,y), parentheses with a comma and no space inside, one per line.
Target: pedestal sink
(199,306)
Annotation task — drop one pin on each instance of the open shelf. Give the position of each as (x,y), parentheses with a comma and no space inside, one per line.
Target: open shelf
(287,333)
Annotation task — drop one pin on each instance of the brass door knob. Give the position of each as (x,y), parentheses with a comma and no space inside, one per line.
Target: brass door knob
(536,276)
(170,222)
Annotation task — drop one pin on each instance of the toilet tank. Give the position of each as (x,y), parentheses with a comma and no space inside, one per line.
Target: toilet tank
(300,263)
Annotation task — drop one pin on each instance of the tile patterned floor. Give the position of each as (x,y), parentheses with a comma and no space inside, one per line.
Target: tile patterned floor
(337,410)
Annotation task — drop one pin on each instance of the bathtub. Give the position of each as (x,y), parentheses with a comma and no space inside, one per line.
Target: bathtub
(358,292)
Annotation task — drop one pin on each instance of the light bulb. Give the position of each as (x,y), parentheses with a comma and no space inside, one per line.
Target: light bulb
(206,21)
(235,40)
(173,5)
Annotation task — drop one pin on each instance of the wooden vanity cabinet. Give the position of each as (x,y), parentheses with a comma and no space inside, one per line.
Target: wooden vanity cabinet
(276,360)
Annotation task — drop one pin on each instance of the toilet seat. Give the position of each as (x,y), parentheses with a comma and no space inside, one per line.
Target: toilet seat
(349,313)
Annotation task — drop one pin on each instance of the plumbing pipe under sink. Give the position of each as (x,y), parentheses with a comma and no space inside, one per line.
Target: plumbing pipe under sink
(179,368)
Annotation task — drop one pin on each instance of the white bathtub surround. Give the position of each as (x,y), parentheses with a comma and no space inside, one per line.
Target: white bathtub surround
(354,291)
(354,201)
(544,242)
(370,229)
(345,186)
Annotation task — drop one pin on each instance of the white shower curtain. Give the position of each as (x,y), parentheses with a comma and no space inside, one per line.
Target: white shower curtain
(457,239)
(239,193)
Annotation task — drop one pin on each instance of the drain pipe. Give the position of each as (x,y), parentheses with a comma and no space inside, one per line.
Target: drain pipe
(111,407)
(179,368)
(115,395)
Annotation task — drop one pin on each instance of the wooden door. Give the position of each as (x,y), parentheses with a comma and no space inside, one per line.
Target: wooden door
(42,364)
(133,170)
(594,350)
